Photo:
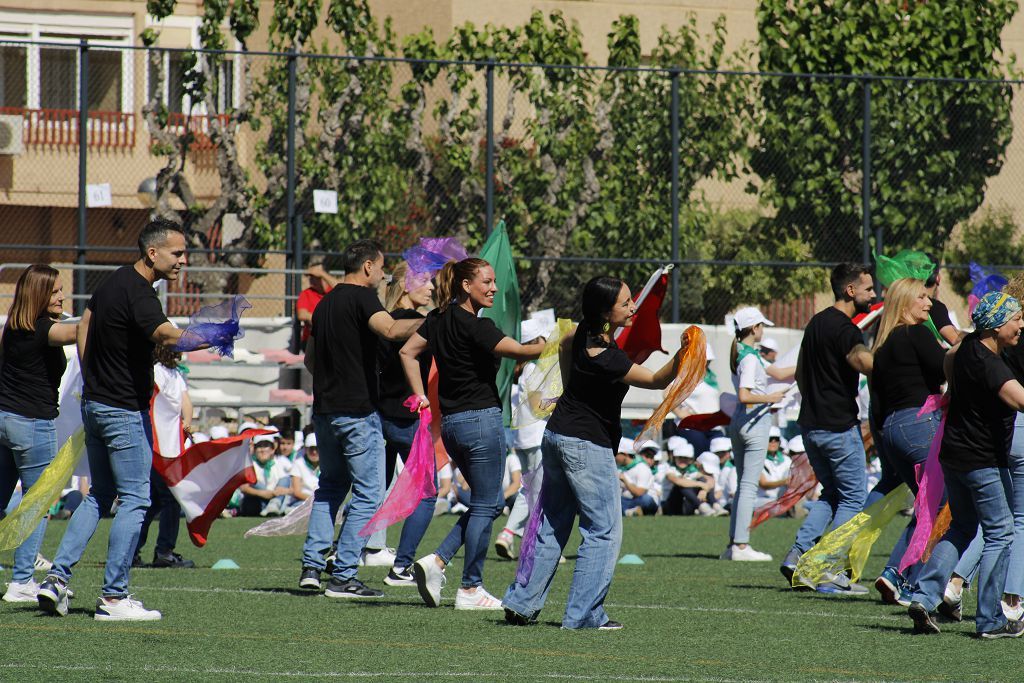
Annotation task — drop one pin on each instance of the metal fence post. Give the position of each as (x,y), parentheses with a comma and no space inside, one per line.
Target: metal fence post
(290,189)
(489,155)
(83,153)
(674,127)
(865,189)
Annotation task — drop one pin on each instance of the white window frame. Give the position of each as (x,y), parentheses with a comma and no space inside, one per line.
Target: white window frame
(68,28)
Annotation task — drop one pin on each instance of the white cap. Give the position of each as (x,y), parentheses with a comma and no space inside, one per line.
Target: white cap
(219,432)
(709,461)
(247,425)
(796,444)
(770,344)
(710,351)
(774,433)
(749,316)
(530,329)
(263,438)
(649,445)
(720,444)
(199,437)
(625,446)
(310,440)
(680,447)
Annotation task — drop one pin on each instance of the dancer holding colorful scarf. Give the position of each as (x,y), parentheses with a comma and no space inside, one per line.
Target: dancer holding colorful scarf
(749,428)
(578,451)
(983,397)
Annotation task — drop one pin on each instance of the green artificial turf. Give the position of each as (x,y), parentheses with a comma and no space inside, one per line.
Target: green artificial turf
(688,617)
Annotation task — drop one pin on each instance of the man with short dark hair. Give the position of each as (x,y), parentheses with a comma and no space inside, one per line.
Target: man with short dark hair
(121,325)
(342,357)
(832,357)
(939,312)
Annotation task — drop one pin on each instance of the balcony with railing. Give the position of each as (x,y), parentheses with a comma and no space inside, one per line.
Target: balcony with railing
(60,128)
(199,125)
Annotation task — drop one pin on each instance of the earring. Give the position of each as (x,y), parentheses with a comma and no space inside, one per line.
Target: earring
(606,327)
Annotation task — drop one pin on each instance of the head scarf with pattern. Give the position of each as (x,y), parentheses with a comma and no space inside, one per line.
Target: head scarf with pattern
(994,310)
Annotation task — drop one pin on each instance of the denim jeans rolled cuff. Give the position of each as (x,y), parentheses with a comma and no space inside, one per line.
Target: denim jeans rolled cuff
(580,478)
(977,497)
(475,440)
(351,459)
(749,435)
(837,459)
(27,446)
(118,444)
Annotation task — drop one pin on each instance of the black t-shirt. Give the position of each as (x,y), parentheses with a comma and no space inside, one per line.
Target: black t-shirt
(394,388)
(828,388)
(979,425)
(345,351)
(939,314)
(30,372)
(590,407)
(463,346)
(118,367)
(1014,359)
(907,370)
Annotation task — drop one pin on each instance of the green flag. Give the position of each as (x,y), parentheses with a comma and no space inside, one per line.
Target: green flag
(506,311)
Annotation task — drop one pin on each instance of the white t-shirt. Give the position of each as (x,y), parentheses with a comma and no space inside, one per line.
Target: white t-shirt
(512,464)
(310,478)
(278,470)
(638,475)
(774,471)
(657,487)
(532,433)
(750,374)
(704,399)
(170,393)
(726,483)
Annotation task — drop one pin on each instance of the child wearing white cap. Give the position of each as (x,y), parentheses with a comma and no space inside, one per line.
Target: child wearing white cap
(686,487)
(305,471)
(775,475)
(636,481)
(750,425)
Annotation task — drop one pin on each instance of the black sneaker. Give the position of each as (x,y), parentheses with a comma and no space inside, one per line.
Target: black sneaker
(951,612)
(171,560)
(353,588)
(310,578)
(400,577)
(137,561)
(53,596)
(610,626)
(923,622)
(1011,629)
(516,619)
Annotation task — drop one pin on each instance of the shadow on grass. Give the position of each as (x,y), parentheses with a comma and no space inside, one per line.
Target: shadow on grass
(687,556)
(907,630)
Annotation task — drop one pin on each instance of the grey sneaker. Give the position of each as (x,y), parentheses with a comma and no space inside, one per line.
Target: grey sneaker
(353,588)
(310,578)
(788,566)
(841,585)
(1011,629)
(53,596)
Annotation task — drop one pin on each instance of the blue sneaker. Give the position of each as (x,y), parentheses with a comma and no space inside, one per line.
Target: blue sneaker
(906,597)
(890,585)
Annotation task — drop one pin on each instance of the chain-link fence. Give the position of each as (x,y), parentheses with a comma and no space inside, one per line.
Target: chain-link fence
(753,184)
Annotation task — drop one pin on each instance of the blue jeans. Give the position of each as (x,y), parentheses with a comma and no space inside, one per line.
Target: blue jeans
(398,436)
(351,458)
(838,461)
(749,434)
(475,440)
(644,502)
(579,478)
(976,497)
(163,503)
(27,446)
(906,440)
(119,445)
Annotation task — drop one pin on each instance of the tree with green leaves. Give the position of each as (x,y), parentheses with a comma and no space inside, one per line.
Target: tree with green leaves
(934,144)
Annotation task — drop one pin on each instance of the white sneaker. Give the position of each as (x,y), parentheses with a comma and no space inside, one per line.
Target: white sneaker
(430,579)
(951,595)
(22,592)
(458,509)
(1012,613)
(705,510)
(385,557)
(504,545)
(719,511)
(477,598)
(747,554)
(125,609)
(42,564)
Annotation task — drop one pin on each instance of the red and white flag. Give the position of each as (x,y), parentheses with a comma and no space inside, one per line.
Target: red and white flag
(643,337)
(205,476)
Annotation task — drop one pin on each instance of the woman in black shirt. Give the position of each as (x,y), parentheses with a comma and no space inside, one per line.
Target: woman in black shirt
(467,350)
(908,369)
(404,296)
(984,395)
(580,476)
(33,363)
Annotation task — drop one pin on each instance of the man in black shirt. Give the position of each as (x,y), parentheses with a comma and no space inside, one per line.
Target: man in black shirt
(122,324)
(342,357)
(832,356)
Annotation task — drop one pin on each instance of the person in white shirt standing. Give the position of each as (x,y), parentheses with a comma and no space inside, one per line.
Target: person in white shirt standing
(749,427)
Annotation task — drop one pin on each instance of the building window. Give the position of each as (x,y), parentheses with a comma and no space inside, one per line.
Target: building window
(13,76)
(58,78)
(175,76)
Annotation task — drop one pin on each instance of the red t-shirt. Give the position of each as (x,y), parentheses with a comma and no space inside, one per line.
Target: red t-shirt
(308,300)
